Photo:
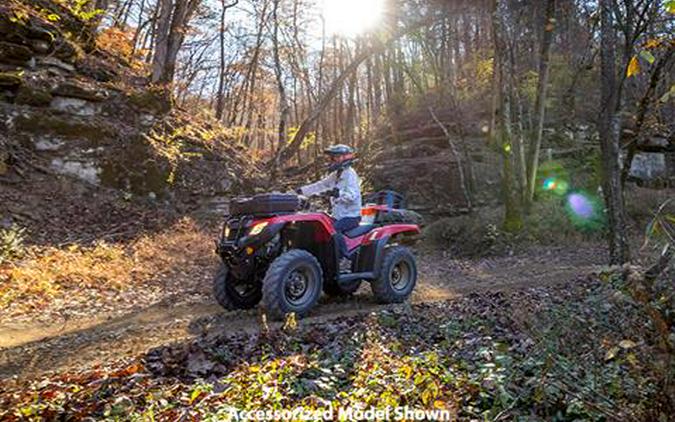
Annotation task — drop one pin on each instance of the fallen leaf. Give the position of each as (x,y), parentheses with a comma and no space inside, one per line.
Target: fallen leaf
(627,344)
(611,353)
(633,67)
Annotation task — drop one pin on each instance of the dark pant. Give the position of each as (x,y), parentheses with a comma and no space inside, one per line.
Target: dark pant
(342,225)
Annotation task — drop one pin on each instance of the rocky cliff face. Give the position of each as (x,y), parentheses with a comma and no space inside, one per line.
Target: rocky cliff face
(75,115)
(413,156)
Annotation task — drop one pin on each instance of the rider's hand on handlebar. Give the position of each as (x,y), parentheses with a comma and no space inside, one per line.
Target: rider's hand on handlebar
(334,193)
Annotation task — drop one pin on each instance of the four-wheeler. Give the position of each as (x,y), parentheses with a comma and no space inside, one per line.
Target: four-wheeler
(275,250)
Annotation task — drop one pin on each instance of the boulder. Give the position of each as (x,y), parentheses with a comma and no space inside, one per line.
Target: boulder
(648,166)
(14,53)
(72,89)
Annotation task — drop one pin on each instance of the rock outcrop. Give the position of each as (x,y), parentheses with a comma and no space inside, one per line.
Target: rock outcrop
(78,115)
(414,156)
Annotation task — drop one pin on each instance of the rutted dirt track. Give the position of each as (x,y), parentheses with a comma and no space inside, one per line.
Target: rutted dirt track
(29,350)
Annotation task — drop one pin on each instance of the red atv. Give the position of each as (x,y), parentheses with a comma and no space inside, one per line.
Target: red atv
(272,251)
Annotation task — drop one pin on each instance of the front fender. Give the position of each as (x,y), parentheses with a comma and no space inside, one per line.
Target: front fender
(258,240)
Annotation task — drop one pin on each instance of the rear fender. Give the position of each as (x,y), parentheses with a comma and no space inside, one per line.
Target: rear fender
(370,256)
(393,230)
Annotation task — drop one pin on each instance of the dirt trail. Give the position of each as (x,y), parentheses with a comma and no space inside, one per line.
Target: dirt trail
(27,351)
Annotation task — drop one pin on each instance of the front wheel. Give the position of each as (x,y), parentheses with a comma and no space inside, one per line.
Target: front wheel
(293,283)
(233,294)
(398,276)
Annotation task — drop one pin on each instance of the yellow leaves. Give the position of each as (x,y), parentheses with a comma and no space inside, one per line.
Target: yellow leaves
(73,271)
(670,6)
(645,54)
(633,67)
(652,43)
(614,350)
(407,370)
(19,17)
(611,353)
(118,42)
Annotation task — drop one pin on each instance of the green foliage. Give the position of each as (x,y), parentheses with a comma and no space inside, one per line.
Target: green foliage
(82,9)
(480,234)
(11,243)
(475,76)
(469,235)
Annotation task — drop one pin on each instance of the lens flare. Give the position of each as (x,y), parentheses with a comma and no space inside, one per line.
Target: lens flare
(549,183)
(580,205)
(553,179)
(584,211)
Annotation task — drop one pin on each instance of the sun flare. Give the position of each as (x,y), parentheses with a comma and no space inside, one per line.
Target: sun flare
(352,17)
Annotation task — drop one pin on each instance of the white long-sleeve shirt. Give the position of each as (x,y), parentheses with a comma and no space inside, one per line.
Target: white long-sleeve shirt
(348,204)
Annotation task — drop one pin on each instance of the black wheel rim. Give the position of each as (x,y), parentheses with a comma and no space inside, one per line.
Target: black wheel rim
(299,286)
(400,275)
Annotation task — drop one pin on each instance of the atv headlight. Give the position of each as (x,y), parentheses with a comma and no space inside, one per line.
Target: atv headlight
(226,231)
(257,229)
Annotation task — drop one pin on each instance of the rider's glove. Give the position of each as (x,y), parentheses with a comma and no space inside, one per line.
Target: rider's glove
(298,191)
(335,193)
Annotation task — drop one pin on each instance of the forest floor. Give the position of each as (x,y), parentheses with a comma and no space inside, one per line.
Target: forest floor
(536,332)
(89,329)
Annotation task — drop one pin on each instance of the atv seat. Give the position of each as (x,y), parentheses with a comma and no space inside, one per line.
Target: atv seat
(359,231)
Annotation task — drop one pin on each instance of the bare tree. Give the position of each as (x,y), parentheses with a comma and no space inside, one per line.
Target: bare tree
(221,76)
(540,106)
(609,127)
(174,19)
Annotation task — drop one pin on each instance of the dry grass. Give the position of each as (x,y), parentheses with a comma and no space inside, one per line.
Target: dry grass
(47,274)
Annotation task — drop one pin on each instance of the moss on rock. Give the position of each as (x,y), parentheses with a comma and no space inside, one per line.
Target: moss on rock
(155,100)
(14,53)
(77,90)
(67,127)
(136,169)
(33,96)
(10,79)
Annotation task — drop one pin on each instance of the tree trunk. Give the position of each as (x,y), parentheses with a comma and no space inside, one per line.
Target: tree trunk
(174,18)
(512,218)
(221,75)
(609,127)
(540,104)
(283,103)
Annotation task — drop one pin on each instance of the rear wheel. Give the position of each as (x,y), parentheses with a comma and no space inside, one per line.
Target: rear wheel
(233,294)
(398,276)
(292,284)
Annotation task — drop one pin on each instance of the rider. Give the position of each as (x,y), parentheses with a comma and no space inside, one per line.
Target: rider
(343,186)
